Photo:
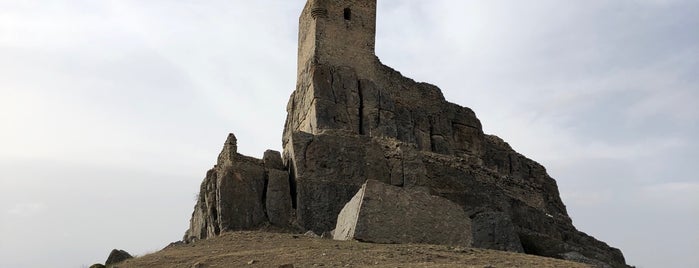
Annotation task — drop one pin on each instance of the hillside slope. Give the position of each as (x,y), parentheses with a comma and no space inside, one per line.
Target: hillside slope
(264,249)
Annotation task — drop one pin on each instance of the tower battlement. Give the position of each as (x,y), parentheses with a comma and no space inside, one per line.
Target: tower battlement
(338,33)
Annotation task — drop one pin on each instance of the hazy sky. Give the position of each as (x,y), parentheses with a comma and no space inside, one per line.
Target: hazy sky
(112,111)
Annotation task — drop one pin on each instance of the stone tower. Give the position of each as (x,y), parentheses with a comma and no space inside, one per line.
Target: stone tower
(337,32)
(352,119)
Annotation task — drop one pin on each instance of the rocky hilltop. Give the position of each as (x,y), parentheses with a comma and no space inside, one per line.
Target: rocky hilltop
(355,124)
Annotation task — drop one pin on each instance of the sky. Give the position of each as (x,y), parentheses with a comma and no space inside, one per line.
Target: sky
(112,111)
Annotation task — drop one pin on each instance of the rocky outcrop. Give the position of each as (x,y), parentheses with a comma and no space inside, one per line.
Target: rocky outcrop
(353,119)
(241,193)
(117,256)
(381,213)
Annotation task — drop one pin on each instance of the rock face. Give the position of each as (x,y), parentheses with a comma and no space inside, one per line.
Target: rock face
(117,256)
(352,119)
(240,193)
(381,213)
(494,230)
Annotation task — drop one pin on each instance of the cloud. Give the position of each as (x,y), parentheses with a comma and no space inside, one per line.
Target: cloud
(26,209)
(673,195)
(588,198)
(134,95)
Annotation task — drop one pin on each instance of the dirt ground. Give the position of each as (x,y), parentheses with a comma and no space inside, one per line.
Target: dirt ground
(264,249)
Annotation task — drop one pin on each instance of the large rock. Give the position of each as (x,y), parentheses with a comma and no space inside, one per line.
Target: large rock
(241,193)
(117,256)
(382,213)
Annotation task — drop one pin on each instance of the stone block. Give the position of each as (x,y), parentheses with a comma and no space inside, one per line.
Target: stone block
(381,213)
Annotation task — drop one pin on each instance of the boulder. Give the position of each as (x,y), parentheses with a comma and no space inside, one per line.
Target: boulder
(117,256)
(381,213)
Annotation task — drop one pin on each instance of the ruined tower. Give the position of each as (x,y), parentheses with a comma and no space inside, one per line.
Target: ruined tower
(337,32)
(352,119)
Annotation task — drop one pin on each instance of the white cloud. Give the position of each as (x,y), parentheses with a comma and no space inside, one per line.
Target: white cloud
(673,195)
(602,93)
(588,197)
(26,209)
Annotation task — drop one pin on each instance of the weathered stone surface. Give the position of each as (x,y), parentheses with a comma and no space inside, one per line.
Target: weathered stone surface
(232,196)
(382,213)
(117,256)
(273,160)
(278,199)
(494,230)
(572,241)
(577,257)
(240,191)
(97,265)
(329,169)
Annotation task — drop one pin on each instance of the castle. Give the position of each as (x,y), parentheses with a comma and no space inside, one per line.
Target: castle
(353,119)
